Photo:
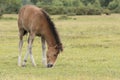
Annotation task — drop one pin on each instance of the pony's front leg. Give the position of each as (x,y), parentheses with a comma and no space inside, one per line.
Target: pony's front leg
(44,60)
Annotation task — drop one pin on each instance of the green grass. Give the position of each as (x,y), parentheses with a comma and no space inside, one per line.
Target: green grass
(91,50)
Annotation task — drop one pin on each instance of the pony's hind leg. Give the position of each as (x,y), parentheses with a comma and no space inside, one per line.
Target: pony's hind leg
(20,47)
(43,51)
(20,52)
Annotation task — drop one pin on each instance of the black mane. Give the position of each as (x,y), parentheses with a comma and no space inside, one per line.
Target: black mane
(52,28)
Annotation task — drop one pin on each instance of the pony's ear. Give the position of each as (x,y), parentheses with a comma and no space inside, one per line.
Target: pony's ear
(59,47)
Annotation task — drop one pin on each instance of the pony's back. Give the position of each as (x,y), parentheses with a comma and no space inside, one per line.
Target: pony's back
(30,15)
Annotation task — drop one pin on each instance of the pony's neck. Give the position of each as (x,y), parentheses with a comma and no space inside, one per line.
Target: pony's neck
(51,42)
(51,33)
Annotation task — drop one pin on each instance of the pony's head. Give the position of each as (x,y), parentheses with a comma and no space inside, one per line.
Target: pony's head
(52,55)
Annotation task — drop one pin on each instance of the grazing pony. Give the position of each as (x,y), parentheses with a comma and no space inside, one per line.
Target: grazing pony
(36,22)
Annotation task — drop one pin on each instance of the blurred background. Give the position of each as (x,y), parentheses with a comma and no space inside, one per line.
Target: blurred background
(69,7)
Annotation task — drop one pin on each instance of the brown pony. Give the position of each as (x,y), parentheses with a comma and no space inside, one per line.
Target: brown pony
(36,22)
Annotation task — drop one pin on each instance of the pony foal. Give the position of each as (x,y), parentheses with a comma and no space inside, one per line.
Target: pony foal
(36,22)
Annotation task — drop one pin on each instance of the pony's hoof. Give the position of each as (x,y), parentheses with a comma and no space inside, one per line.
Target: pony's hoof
(23,65)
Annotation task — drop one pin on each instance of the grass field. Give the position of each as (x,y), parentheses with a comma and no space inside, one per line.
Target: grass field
(91,50)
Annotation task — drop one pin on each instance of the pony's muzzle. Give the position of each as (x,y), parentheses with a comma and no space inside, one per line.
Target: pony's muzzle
(49,65)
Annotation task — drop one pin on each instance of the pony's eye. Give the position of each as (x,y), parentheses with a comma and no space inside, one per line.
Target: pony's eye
(47,56)
(55,55)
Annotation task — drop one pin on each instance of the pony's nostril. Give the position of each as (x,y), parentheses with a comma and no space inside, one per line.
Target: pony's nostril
(50,65)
